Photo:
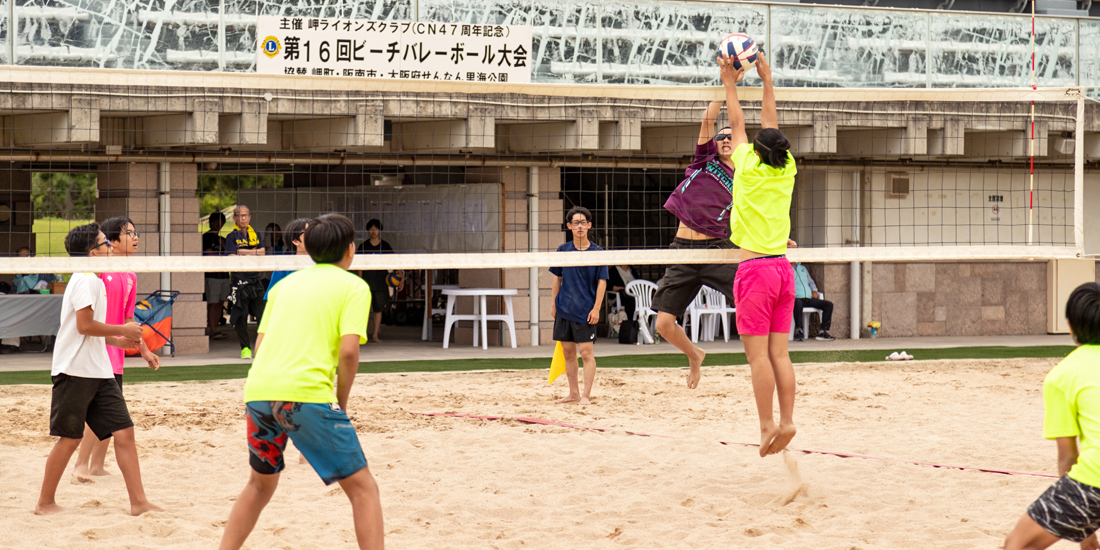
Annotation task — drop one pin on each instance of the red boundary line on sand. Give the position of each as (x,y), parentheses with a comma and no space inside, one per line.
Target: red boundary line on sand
(807,451)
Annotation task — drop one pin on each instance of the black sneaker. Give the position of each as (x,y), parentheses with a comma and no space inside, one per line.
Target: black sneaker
(798,335)
(822,335)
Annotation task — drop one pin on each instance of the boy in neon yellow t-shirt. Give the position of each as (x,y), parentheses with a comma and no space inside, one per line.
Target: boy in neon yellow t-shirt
(1070,509)
(309,338)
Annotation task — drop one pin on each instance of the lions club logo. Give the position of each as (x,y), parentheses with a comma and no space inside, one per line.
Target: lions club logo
(271,46)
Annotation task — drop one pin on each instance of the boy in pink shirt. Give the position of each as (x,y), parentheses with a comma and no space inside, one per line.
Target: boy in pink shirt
(121,301)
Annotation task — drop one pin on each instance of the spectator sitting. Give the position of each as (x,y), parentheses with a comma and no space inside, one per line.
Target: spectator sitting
(24,284)
(618,277)
(805,295)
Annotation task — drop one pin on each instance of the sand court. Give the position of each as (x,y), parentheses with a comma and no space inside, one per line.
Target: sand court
(471,483)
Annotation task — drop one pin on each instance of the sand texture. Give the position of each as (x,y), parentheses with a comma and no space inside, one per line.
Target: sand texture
(465,483)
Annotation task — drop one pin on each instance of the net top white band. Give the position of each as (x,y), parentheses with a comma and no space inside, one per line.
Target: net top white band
(514,260)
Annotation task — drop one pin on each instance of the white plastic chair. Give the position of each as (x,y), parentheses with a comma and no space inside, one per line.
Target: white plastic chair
(693,316)
(715,304)
(613,297)
(644,314)
(806,311)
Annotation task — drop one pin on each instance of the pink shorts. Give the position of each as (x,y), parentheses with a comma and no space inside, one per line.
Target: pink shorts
(763,291)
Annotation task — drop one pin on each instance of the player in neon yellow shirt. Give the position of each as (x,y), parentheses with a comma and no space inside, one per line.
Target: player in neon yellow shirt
(309,338)
(760,225)
(1070,509)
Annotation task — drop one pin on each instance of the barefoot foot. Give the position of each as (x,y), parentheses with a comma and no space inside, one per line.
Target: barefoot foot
(569,399)
(47,509)
(585,401)
(376,339)
(785,435)
(695,361)
(768,433)
(100,472)
(139,509)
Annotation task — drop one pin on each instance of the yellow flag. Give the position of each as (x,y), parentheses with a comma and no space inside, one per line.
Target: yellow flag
(557,365)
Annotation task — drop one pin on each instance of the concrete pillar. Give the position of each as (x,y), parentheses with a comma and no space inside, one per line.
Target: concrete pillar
(833,280)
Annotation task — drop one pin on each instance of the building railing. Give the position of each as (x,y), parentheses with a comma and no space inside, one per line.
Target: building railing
(626,41)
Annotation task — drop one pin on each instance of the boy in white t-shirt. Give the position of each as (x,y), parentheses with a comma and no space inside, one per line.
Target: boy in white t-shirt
(121,301)
(84,388)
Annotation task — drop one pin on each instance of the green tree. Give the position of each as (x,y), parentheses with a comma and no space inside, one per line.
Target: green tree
(63,195)
(219,191)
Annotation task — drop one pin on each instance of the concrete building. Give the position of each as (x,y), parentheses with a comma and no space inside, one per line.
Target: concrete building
(878,167)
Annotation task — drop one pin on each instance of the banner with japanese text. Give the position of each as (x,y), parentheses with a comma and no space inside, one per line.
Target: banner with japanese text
(395,50)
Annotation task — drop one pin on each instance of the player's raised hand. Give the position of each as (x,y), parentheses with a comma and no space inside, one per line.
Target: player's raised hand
(730,76)
(762,67)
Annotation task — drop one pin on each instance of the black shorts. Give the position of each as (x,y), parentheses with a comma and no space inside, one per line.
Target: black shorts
(1068,509)
(379,297)
(118,380)
(682,282)
(95,401)
(572,331)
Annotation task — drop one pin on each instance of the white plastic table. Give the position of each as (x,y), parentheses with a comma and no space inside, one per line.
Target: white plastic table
(480,315)
(426,329)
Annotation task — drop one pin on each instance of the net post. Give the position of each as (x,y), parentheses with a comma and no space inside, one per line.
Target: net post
(1031,139)
(1079,174)
(532,246)
(854,289)
(165,191)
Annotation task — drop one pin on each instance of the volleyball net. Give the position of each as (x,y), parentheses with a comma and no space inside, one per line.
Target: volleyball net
(479,175)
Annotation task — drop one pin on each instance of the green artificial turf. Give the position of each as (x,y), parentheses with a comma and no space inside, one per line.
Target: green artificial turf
(224,372)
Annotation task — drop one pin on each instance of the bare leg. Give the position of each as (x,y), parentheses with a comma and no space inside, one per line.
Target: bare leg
(127,457)
(589,371)
(666,325)
(785,386)
(97,466)
(81,471)
(55,467)
(376,320)
(570,350)
(213,312)
(763,386)
(366,509)
(242,519)
(1030,536)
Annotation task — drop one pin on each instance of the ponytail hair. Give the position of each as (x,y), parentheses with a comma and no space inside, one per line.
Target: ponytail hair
(772,146)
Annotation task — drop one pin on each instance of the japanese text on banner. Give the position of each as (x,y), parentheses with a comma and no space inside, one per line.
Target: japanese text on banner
(396,50)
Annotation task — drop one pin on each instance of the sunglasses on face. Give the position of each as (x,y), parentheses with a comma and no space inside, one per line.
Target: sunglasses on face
(723,137)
